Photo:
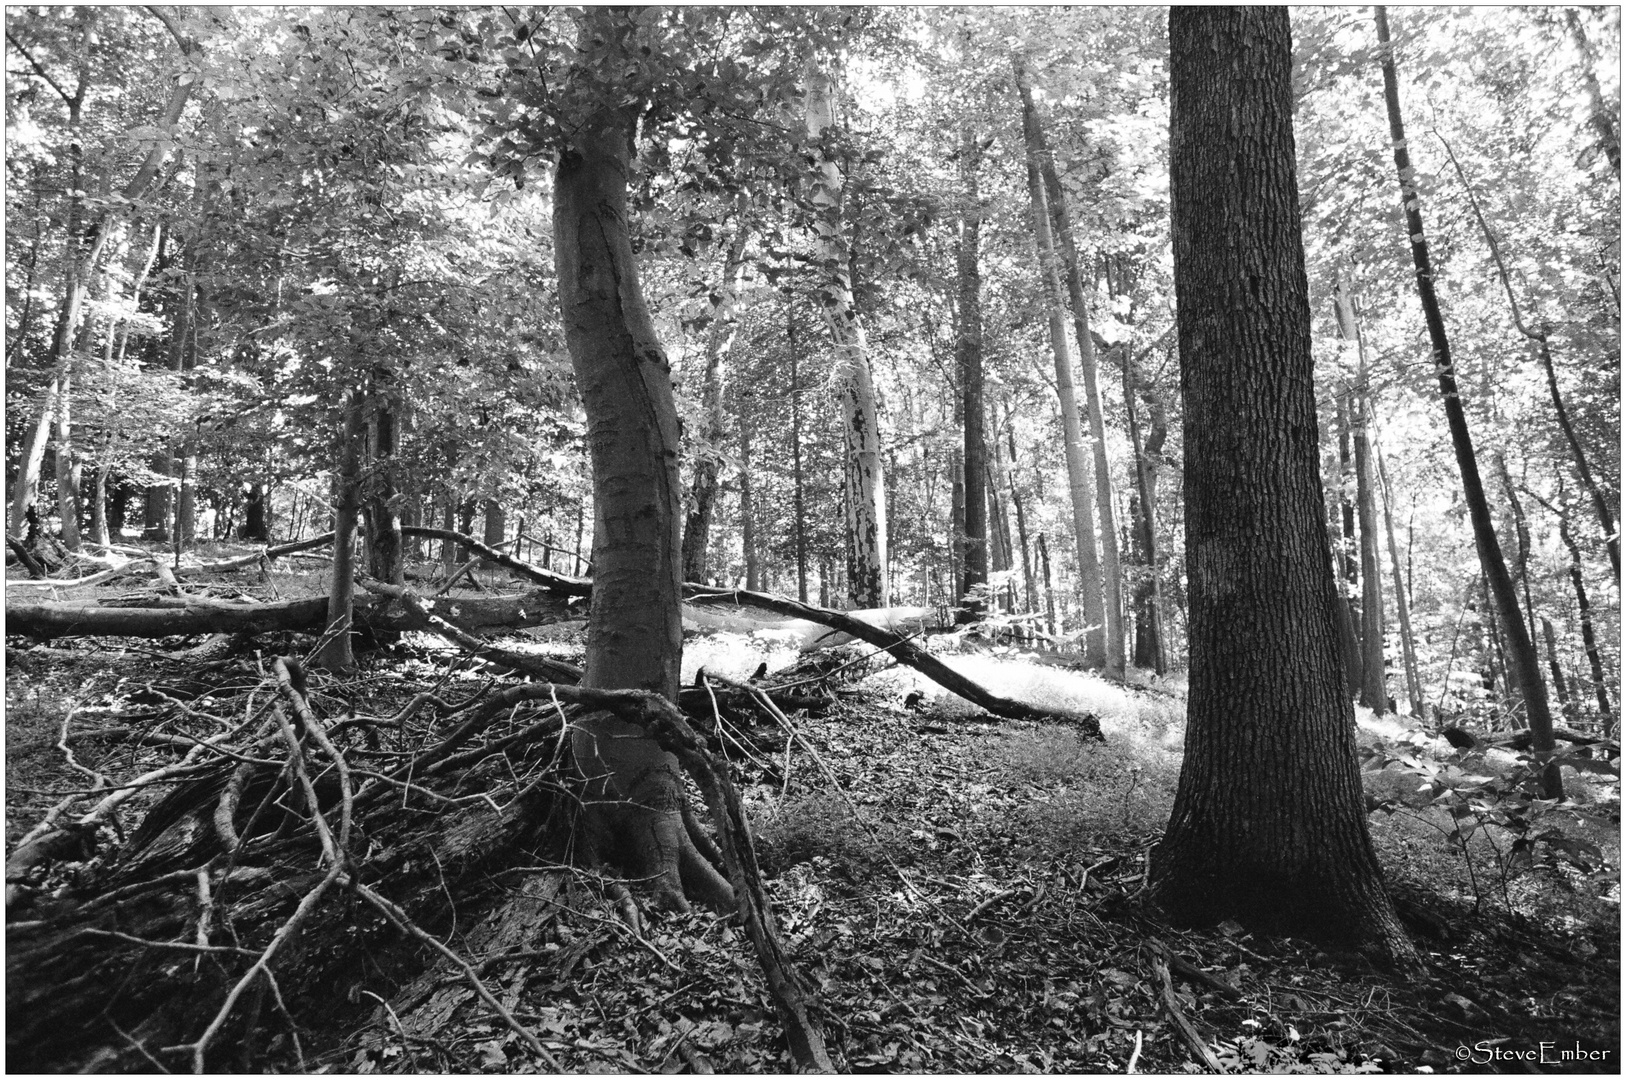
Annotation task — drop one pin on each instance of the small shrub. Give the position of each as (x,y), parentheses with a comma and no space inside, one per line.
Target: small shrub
(820,824)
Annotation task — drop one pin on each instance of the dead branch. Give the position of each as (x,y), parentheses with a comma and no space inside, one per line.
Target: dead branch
(558,583)
(901,648)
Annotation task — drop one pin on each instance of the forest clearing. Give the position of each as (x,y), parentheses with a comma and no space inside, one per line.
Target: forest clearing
(695,539)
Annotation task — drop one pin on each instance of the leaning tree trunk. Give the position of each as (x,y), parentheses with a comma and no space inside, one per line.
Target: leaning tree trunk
(1522,657)
(635,631)
(1111,560)
(1269,824)
(1078,471)
(865,485)
(708,456)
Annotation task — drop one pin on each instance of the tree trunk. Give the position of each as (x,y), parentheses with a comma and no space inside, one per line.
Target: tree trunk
(256,524)
(67,487)
(100,534)
(386,550)
(1021,518)
(1522,651)
(1583,606)
(1078,471)
(1408,649)
(1150,642)
(862,474)
(707,458)
(635,630)
(1276,840)
(797,476)
(1052,627)
(1111,561)
(748,505)
(1558,672)
(968,361)
(336,654)
(1374,692)
(496,524)
(1599,115)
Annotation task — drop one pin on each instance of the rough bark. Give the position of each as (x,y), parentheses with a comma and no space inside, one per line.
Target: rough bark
(386,554)
(1522,654)
(1269,825)
(864,483)
(634,788)
(1078,471)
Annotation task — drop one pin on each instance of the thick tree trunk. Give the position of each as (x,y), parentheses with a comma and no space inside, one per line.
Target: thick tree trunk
(968,361)
(100,534)
(635,630)
(256,523)
(1078,470)
(1275,838)
(865,486)
(707,458)
(1522,651)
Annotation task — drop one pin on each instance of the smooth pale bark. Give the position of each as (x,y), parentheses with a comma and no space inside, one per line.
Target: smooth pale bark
(707,459)
(1078,469)
(336,654)
(67,487)
(1089,370)
(1522,655)
(634,793)
(1269,822)
(1408,648)
(864,483)
(968,361)
(1374,693)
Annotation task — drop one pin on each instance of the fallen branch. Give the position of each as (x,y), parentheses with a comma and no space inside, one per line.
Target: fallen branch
(901,649)
(559,583)
(1187,1030)
(26,557)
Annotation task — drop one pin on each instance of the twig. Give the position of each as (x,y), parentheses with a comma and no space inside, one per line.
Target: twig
(1134,1057)
(1188,1032)
(285,684)
(181,946)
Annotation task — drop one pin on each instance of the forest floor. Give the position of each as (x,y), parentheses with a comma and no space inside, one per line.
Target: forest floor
(967,894)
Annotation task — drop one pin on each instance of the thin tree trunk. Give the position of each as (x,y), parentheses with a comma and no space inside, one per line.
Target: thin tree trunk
(1052,627)
(67,489)
(1150,648)
(862,471)
(100,534)
(1599,114)
(707,458)
(1522,650)
(1078,470)
(1538,335)
(1021,518)
(796,458)
(1558,672)
(1374,691)
(1408,647)
(336,654)
(968,356)
(1089,369)
(748,507)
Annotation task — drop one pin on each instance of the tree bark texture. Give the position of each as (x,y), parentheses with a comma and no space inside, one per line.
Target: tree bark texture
(1522,655)
(1078,470)
(635,629)
(1269,824)
(860,423)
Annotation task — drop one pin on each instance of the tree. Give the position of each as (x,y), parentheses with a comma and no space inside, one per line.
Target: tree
(968,361)
(1269,824)
(1525,663)
(635,631)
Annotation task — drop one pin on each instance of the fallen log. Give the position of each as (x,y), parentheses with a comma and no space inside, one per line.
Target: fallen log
(899,647)
(25,556)
(171,616)
(558,583)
